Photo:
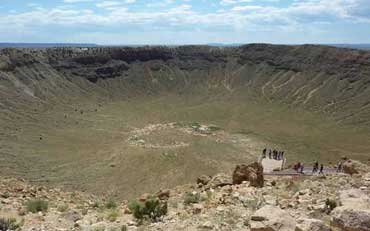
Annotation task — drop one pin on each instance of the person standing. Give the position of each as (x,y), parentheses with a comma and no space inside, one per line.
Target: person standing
(302,169)
(321,169)
(339,166)
(315,167)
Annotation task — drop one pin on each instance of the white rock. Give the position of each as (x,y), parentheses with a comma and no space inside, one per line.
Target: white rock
(272,218)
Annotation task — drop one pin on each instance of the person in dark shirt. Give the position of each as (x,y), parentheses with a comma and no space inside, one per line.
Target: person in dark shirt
(321,169)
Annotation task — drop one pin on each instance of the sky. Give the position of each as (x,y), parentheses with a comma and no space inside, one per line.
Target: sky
(173,22)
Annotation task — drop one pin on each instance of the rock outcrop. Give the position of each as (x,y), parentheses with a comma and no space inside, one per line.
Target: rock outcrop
(219,180)
(354,167)
(203,180)
(252,173)
(354,214)
(349,219)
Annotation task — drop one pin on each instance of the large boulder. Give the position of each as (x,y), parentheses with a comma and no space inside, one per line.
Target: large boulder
(354,198)
(349,219)
(219,180)
(355,167)
(307,224)
(252,173)
(349,168)
(354,214)
(272,218)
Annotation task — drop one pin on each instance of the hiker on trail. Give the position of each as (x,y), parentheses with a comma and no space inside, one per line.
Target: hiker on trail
(302,169)
(339,166)
(321,169)
(315,167)
(298,166)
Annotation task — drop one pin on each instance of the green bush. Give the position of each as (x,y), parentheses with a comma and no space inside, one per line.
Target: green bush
(191,198)
(213,128)
(9,224)
(111,204)
(330,205)
(151,209)
(112,215)
(37,205)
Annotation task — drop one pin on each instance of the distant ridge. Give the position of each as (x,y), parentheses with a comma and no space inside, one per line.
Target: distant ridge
(353,46)
(45,45)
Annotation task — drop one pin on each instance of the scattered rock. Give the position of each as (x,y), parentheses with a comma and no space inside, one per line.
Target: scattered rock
(220,180)
(203,180)
(311,225)
(197,208)
(207,225)
(163,194)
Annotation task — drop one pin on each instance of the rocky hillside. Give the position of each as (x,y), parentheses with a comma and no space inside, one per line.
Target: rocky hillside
(326,79)
(338,202)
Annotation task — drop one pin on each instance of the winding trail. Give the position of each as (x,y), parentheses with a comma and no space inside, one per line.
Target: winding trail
(269,165)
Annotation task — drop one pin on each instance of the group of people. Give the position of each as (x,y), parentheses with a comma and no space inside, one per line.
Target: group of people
(273,154)
(299,167)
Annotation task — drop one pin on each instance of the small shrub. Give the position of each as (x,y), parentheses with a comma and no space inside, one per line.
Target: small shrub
(62,208)
(151,209)
(96,205)
(112,215)
(214,128)
(330,205)
(191,198)
(254,203)
(100,228)
(9,224)
(37,205)
(208,197)
(111,204)
(124,228)
(84,212)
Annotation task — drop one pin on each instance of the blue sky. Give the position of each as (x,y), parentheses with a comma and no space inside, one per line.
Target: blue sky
(185,21)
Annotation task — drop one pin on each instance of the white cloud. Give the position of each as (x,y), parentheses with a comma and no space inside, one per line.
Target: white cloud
(232,2)
(76,1)
(160,3)
(305,14)
(105,4)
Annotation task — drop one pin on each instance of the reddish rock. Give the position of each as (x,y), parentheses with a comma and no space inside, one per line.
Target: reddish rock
(252,173)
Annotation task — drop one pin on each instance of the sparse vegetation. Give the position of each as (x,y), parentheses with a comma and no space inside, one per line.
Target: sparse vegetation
(111,204)
(191,198)
(112,215)
(62,208)
(9,224)
(330,205)
(100,228)
(37,205)
(152,209)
